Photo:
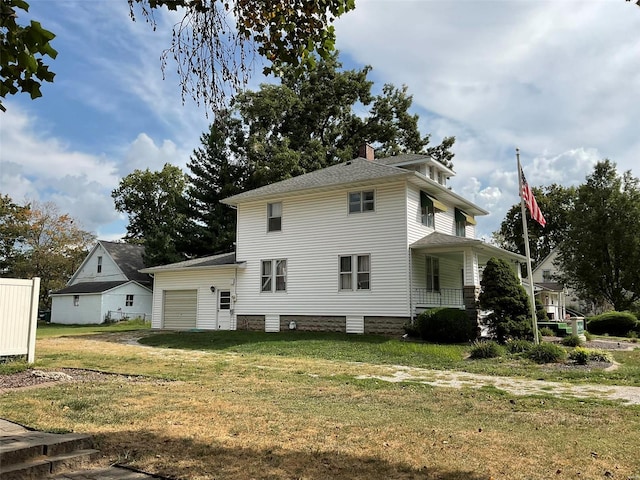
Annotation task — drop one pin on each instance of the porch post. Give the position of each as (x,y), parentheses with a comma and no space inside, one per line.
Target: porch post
(470,295)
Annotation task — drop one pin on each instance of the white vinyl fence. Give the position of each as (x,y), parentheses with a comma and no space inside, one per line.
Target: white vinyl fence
(18,317)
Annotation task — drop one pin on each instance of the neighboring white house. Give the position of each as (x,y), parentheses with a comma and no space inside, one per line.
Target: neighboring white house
(360,247)
(108,285)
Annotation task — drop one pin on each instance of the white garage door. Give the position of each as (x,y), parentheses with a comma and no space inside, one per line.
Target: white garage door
(180,308)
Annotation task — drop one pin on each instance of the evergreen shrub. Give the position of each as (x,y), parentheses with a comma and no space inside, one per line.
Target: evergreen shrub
(572,341)
(518,346)
(446,325)
(613,323)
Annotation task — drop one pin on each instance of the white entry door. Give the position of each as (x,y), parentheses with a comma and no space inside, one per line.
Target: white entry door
(224,309)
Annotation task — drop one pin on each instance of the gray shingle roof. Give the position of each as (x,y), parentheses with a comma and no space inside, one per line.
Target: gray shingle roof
(129,258)
(353,171)
(223,259)
(438,239)
(89,287)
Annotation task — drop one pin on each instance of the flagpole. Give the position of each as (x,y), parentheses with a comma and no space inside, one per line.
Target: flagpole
(528,253)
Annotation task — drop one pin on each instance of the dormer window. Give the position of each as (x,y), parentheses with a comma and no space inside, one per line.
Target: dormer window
(442,178)
(361,201)
(274,217)
(432,173)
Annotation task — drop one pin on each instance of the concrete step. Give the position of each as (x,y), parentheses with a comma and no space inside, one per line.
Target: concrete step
(45,465)
(21,447)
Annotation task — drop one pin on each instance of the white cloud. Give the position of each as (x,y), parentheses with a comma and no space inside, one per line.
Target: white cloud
(143,153)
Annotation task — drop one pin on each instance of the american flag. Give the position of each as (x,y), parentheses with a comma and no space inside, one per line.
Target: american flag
(530,200)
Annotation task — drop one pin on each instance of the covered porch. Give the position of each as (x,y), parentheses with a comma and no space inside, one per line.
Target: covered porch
(445,271)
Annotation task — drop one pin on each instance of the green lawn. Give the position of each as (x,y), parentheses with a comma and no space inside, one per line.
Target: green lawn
(46,330)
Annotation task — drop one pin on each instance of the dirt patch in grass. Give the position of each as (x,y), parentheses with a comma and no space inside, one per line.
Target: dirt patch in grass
(39,378)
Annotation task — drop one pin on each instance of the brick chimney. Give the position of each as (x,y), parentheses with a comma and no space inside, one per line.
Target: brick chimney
(367,151)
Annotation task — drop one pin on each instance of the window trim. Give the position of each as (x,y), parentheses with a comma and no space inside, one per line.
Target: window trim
(76,300)
(271,216)
(128,301)
(272,276)
(354,273)
(361,201)
(99,269)
(432,273)
(427,211)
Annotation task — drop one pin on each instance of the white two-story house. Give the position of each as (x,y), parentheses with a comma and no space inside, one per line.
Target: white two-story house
(359,247)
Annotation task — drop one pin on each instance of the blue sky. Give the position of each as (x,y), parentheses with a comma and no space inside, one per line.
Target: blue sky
(558,79)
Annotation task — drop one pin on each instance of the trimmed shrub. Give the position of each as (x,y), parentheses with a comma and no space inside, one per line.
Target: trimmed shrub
(446,325)
(613,323)
(546,353)
(411,330)
(518,346)
(547,332)
(596,355)
(571,341)
(486,349)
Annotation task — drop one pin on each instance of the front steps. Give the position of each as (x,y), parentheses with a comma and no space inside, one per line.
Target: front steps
(30,455)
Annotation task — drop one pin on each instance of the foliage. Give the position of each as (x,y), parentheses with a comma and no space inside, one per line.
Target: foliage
(210,225)
(485,349)
(215,42)
(601,257)
(13,223)
(571,341)
(504,296)
(547,332)
(516,346)
(546,353)
(556,202)
(46,244)
(22,50)
(446,325)
(154,203)
(613,323)
(579,355)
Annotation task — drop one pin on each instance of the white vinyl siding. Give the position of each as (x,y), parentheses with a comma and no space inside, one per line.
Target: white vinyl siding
(449,264)
(202,280)
(180,309)
(98,267)
(319,231)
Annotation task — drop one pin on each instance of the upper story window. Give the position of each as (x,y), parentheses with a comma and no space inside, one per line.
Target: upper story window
(76,300)
(442,178)
(361,201)
(274,276)
(546,275)
(432,172)
(129,301)
(427,210)
(274,217)
(355,272)
(99,264)
(462,219)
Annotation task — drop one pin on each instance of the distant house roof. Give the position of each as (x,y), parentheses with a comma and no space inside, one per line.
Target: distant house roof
(128,257)
(221,260)
(438,239)
(90,287)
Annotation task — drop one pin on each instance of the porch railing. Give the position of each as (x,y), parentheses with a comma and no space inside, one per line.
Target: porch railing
(448,297)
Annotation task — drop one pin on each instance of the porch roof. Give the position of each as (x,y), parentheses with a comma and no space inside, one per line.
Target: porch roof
(444,242)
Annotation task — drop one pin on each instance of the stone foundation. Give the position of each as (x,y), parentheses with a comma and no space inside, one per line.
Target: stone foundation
(391,326)
(314,323)
(251,322)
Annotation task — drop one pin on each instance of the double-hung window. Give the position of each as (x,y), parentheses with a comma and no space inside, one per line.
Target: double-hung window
(129,301)
(76,300)
(427,210)
(361,201)
(432,268)
(274,217)
(355,272)
(274,276)
(99,264)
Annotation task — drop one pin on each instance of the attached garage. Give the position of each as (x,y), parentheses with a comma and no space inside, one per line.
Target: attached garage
(180,309)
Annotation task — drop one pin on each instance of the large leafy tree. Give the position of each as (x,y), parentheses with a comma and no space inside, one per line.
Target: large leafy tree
(22,52)
(153,202)
(50,245)
(600,258)
(214,174)
(323,117)
(556,203)
(213,45)
(13,227)
(503,295)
